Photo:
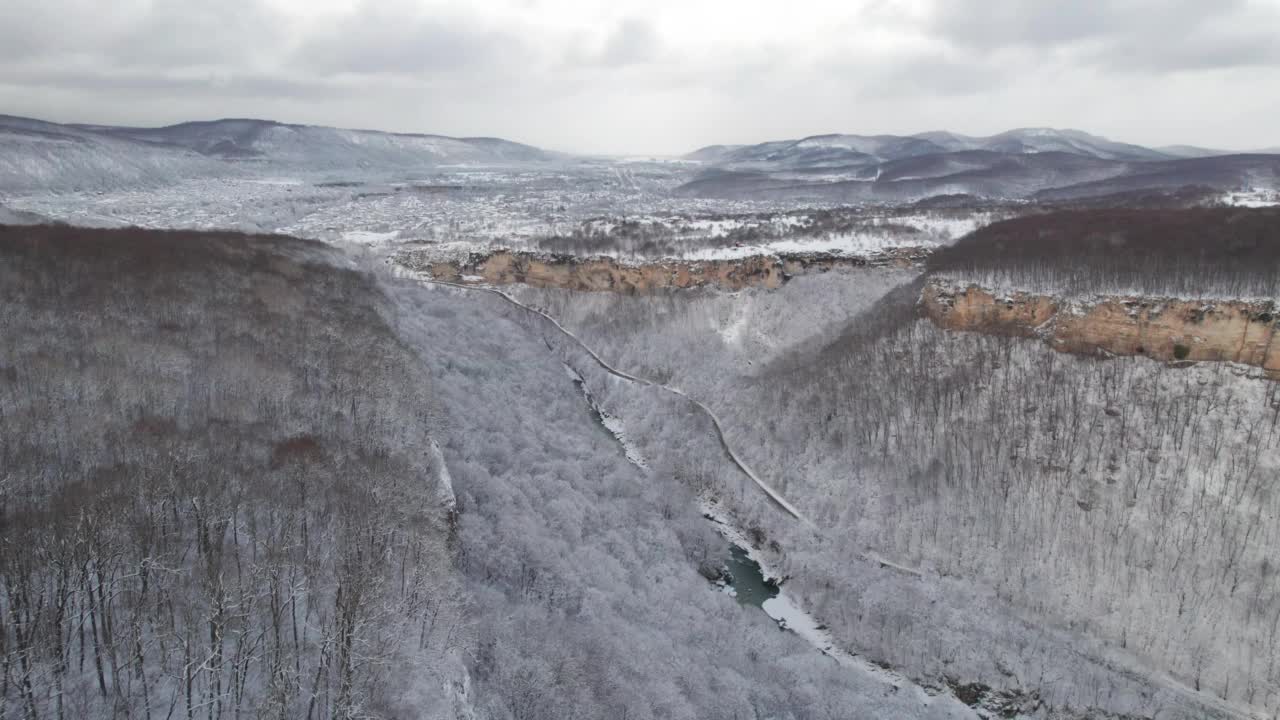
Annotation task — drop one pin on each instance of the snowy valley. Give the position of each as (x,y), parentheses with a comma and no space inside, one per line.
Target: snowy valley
(307,422)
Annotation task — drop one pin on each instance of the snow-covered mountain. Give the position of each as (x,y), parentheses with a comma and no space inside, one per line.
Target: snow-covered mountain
(836,150)
(235,139)
(1025,163)
(712,153)
(1190,151)
(41,155)
(1039,140)
(36,155)
(818,151)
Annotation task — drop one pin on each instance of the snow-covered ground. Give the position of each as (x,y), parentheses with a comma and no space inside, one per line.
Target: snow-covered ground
(460,203)
(626,211)
(1252,198)
(614,424)
(929,231)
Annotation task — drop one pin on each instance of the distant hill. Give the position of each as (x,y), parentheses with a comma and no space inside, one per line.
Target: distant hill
(819,151)
(317,145)
(711,153)
(1221,172)
(1031,163)
(1039,140)
(829,151)
(41,155)
(1190,151)
(1195,151)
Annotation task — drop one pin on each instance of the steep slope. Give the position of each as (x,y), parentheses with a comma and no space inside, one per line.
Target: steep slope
(244,478)
(36,155)
(1203,253)
(1089,533)
(219,489)
(588,572)
(1174,330)
(1192,285)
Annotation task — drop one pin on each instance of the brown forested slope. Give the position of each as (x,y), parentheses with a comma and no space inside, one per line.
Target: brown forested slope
(1202,252)
(216,495)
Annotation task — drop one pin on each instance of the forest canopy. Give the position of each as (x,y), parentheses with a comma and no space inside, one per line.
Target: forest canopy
(215,492)
(1210,252)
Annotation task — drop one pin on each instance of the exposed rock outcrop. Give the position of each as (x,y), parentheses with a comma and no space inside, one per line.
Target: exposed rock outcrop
(606,274)
(1160,328)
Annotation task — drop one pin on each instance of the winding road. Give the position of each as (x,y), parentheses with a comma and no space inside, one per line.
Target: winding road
(768,490)
(796,618)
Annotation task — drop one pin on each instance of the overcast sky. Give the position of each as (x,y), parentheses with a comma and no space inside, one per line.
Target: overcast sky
(657,76)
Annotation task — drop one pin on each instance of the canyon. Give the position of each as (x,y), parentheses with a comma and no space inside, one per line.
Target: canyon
(1176,330)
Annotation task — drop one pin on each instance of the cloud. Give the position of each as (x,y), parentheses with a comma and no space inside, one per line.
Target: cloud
(654,75)
(1152,36)
(633,41)
(30,31)
(113,83)
(399,37)
(994,24)
(155,33)
(936,74)
(166,34)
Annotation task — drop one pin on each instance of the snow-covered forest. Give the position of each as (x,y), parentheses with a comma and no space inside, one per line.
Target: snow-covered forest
(1195,253)
(245,477)
(256,476)
(1097,531)
(217,495)
(633,360)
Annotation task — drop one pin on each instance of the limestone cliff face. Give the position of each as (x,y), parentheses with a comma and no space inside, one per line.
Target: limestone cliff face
(604,274)
(1163,329)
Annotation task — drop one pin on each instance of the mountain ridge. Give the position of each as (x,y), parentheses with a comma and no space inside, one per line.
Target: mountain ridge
(1018,140)
(1026,163)
(38,154)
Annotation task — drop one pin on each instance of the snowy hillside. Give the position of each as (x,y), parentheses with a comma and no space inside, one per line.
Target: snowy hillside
(985,505)
(43,156)
(37,155)
(1027,163)
(1036,140)
(797,153)
(314,147)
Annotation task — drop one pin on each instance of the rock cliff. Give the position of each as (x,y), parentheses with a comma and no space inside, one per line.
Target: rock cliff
(1160,328)
(606,274)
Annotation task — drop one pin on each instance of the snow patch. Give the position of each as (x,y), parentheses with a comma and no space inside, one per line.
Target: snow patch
(445,481)
(1252,198)
(612,423)
(733,332)
(367,237)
